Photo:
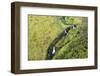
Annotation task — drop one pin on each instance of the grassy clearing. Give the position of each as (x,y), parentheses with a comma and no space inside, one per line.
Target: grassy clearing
(42,30)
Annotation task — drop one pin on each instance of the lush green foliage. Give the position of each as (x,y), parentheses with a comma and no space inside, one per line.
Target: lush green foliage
(42,30)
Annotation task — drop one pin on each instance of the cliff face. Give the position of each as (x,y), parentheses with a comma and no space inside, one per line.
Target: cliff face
(75,44)
(42,30)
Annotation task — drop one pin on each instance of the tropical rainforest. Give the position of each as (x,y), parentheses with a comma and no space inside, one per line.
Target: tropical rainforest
(42,30)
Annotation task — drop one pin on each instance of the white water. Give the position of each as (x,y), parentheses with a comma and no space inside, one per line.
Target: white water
(53,52)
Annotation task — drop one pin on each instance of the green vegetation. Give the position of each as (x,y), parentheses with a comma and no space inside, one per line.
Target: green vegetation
(42,30)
